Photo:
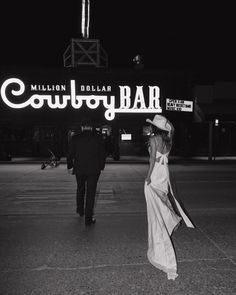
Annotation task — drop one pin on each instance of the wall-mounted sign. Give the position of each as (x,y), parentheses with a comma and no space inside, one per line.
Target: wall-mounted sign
(139,99)
(179,105)
(126,136)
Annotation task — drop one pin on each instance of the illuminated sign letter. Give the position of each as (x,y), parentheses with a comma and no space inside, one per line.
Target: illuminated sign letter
(125,97)
(139,98)
(75,102)
(14,92)
(154,97)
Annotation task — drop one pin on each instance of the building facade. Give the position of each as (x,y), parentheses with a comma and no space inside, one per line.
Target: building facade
(41,108)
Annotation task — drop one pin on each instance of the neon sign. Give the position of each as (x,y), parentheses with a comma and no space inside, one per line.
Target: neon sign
(126,104)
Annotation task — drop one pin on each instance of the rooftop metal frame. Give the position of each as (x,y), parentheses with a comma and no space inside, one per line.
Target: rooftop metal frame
(85,52)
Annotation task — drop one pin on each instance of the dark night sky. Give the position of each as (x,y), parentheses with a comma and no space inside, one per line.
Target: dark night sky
(192,36)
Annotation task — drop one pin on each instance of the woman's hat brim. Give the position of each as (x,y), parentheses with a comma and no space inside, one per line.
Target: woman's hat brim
(149,121)
(159,127)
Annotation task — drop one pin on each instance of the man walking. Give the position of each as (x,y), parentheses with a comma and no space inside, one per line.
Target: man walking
(86,159)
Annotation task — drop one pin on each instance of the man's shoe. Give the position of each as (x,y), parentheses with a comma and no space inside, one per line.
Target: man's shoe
(90,222)
(81,214)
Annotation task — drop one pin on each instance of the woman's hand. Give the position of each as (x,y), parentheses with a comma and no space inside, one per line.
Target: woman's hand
(148,180)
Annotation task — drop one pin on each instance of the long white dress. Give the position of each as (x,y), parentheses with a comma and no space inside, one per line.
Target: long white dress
(162,219)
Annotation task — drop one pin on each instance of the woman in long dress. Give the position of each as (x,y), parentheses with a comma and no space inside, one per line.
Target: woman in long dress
(162,218)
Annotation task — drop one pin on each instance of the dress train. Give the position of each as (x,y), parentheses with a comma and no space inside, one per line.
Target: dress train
(162,219)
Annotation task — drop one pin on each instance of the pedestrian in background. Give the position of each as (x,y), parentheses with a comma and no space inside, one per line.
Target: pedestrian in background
(163,218)
(86,159)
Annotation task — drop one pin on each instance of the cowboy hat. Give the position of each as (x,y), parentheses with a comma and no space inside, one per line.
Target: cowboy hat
(160,122)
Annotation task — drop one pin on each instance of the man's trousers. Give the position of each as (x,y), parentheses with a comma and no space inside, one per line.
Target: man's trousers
(86,192)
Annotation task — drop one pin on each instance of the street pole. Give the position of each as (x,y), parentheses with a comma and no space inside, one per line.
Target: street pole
(210,142)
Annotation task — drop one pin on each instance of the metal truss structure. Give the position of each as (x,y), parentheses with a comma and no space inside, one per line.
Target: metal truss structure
(85,52)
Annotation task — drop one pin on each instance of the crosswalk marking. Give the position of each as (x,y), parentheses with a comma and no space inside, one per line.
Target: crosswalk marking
(103,196)
(47,199)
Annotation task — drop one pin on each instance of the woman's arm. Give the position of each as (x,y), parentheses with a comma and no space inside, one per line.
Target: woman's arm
(171,134)
(152,159)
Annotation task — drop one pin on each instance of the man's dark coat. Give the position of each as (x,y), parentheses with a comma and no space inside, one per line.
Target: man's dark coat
(86,153)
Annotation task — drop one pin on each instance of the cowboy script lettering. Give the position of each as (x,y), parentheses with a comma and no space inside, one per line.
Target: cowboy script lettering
(130,101)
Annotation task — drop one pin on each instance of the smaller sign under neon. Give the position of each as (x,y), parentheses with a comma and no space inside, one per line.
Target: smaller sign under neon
(179,105)
(126,136)
(126,104)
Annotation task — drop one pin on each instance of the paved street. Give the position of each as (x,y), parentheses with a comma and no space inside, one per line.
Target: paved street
(46,249)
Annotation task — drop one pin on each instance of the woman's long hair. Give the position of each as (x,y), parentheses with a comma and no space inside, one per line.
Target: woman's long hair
(167,139)
(164,134)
